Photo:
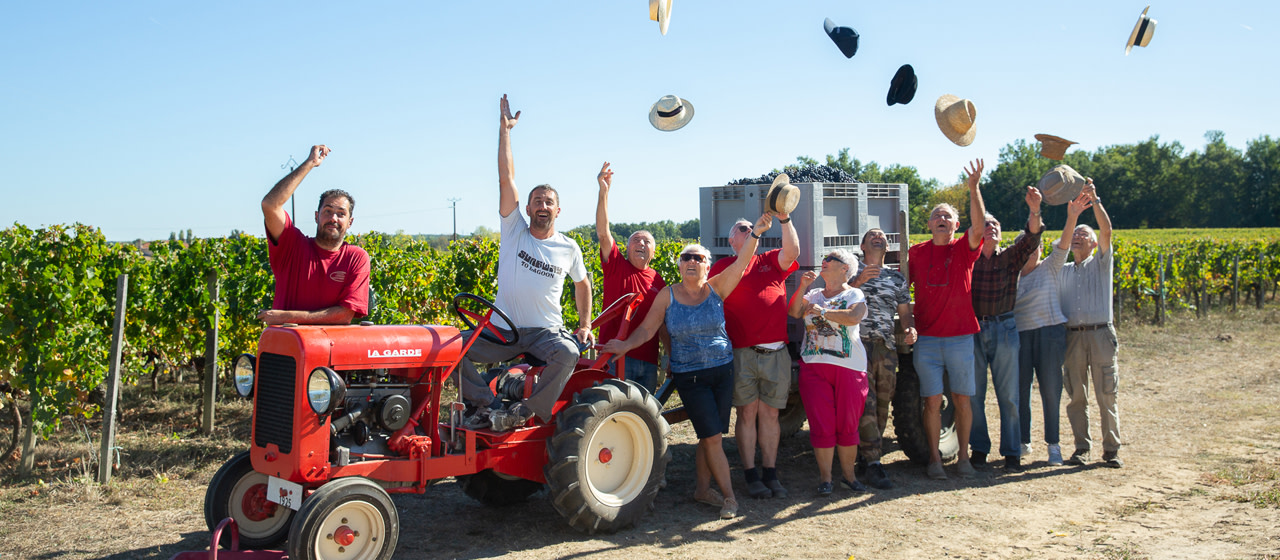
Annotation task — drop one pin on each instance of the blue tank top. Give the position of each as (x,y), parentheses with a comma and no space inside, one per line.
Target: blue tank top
(698,338)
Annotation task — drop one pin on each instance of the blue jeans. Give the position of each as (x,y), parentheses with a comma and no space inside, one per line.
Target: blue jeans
(996,345)
(1040,355)
(643,373)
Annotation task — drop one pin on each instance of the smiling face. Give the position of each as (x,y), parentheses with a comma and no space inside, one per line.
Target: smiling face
(834,270)
(543,207)
(333,220)
(640,248)
(1083,240)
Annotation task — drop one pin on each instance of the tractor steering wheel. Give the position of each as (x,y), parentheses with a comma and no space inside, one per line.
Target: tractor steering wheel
(483,323)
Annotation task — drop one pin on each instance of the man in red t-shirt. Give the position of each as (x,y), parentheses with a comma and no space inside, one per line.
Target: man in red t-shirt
(321,280)
(630,275)
(941,270)
(755,316)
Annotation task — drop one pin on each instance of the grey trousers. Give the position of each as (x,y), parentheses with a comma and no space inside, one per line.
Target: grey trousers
(554,346)
(1091,356)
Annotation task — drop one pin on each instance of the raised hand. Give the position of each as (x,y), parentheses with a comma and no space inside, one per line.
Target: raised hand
(868,273)
(605,177)
(1090,188)
(764,223)
(974,171)
(807,279)
(1078,205)
(508,121)
(318,153)
(1033,198)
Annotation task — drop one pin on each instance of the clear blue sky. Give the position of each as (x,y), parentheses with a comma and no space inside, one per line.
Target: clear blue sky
(149,117)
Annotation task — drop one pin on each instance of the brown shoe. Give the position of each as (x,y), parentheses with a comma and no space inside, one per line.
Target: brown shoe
(730,509)
(711,498)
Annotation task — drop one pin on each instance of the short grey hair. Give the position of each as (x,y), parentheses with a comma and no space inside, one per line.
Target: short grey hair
(1092,235)
(734,228)
(850,261)
(694,248)
(949,208)
(988,217)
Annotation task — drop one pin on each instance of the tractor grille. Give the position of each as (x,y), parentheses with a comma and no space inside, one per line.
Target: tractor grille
(273,415)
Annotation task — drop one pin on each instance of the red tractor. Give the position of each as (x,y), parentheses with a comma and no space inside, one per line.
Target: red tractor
(346,415)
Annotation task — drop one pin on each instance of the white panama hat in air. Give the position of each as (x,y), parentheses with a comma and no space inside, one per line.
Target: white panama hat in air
(670,113)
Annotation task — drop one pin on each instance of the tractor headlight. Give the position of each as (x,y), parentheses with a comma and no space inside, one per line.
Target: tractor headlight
(325,390)
(243,371)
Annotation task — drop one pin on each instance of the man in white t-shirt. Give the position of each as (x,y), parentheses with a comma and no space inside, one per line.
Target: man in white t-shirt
(533,260)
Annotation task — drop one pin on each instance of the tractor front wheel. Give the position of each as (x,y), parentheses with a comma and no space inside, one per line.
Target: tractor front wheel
(608,457)
(349,518)
(239,492)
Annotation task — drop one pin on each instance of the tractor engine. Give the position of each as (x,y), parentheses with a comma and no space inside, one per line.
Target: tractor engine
(376,405)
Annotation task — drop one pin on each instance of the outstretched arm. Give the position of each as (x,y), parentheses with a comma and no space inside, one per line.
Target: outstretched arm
(335,315)
(508,198)
(605,179)
(977,210)
(790,242)
(1074,208)
(1104,220)
(651,324)
(273,204)
(1034,223)
(799,306)
(727,280)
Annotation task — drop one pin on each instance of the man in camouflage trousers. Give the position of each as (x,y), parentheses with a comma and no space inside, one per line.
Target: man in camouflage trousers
(886,291)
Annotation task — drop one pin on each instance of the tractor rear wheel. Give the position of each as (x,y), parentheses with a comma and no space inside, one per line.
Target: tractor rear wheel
(493,489)
(349,518)
(908,412)
(608,457)
(239,492)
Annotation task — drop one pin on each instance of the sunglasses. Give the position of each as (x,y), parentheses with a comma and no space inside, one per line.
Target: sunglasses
(830,258)
(692,257)
(743,228)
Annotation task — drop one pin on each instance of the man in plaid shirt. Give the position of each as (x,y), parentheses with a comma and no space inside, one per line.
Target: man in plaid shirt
(995,290)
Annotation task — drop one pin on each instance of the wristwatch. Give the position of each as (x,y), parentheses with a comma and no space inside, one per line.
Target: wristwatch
(753,234)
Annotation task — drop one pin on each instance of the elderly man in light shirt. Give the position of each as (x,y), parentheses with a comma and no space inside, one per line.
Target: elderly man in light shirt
(1042,334)
(1092,346)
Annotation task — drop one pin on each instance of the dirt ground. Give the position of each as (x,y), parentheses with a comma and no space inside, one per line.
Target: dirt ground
(1199,421)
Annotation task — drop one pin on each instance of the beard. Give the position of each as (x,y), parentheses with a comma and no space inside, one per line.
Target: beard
(541,222)
(330,236)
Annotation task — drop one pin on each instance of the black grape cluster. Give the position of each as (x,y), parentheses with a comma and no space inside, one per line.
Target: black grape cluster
(806,174)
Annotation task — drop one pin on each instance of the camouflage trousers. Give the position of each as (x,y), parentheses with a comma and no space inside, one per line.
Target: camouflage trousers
(882,378)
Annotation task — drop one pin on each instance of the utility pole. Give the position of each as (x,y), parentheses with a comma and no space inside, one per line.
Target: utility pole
(455,217)
(293,208)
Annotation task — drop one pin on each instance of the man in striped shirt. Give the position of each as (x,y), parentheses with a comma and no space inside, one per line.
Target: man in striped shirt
(995,290)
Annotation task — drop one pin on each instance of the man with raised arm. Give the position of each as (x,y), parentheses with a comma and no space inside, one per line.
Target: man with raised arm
(321,280)
(887,292)
(756,320)
(1091,337)
(995,290)
(533,260)
(628,275)
(941,270)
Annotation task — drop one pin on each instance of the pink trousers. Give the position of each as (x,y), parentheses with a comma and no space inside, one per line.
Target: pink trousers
(834,398)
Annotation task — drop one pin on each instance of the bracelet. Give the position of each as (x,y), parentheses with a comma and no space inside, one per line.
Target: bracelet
(782,221)
(1035,213)
(753,234)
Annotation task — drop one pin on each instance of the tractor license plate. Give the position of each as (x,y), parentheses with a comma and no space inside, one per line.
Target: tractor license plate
(285,493)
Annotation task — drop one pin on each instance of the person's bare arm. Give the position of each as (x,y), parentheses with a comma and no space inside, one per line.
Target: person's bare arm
(1075,207)
(790,242)
(335,315)
(847,317)
(508,197)
(728,279)
(908,323)
(273,204)
(798,304)
(1103,219)
(605,179)
(977,210)
(652,322)
(1034,223)
(582,296)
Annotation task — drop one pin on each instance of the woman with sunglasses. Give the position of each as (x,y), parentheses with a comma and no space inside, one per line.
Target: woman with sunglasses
(701,357)
(833,366)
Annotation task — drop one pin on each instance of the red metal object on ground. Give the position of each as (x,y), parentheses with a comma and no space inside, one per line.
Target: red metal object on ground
(233,553)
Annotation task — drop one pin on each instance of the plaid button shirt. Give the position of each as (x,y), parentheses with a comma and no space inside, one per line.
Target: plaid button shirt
(995,278)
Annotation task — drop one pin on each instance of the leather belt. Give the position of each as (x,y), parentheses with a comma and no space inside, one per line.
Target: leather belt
(760,350)
(1089,327)
(999,317)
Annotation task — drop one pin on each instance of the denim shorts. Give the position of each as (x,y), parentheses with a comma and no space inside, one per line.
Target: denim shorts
(934,355)
(707,395)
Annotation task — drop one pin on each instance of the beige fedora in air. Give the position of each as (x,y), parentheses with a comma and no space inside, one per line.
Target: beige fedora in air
(660,11)
(1060,185)
(956,117)
(783,197)
(1053,147)
(1142,32)
(670,113)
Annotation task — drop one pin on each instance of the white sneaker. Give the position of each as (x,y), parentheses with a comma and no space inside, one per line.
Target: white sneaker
(1026,450)
(1055,455)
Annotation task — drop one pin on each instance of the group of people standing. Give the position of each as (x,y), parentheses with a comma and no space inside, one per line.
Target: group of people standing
(724,327)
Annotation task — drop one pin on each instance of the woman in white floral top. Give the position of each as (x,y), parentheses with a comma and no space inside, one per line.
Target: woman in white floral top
(833,368)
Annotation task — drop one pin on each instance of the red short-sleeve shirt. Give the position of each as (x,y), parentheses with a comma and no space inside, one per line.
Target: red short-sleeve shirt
(309,278)
(622,278)
(943,276)
(756,311)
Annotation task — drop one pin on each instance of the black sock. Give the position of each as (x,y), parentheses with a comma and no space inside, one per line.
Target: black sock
(752,475)
(770,473)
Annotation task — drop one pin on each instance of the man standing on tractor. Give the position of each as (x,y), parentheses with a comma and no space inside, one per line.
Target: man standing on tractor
(1091,338)
(533,260)
(995,290)
(756,320)
(941,270)
(628,275)
(886,292)
(321,280)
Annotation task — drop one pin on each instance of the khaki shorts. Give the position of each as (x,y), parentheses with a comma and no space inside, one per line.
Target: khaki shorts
(763,377)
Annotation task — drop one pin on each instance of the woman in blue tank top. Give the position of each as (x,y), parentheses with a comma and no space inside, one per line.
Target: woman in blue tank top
(701,357)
